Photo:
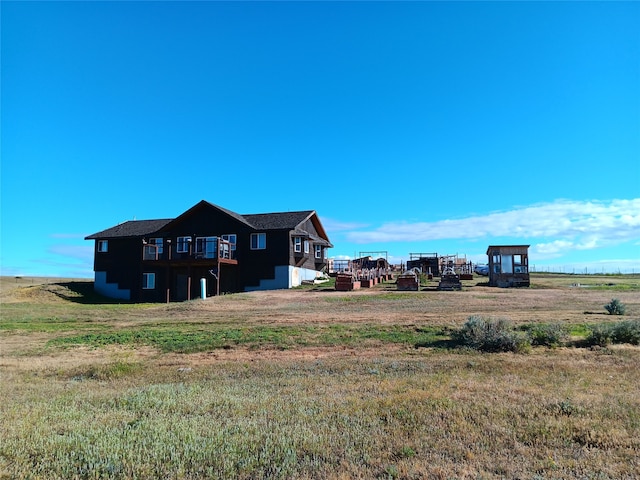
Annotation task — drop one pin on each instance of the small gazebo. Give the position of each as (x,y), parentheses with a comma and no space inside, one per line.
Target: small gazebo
(508,265)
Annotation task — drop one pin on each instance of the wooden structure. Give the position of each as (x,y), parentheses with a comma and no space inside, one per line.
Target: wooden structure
(427,263)
(449,280)
(363,272)
(168,259)
(508,265)
(408,281)
(346,282)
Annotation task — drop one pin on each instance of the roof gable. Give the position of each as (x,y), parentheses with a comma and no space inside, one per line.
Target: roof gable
(258,221)
(201,206)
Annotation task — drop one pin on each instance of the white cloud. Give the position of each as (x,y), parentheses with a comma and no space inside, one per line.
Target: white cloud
(83,252)
(331,225)
(574,224)
(552,249)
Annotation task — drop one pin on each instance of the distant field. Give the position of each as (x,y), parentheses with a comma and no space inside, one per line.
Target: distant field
(314,383)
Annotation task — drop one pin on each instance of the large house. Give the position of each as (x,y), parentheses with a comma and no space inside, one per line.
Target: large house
(208,250)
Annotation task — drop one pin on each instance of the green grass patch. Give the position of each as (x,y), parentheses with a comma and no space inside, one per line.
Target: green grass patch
(180,340)
(374,299)
(48,324)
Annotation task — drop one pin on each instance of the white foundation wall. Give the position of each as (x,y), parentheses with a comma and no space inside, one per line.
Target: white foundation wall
(286,277)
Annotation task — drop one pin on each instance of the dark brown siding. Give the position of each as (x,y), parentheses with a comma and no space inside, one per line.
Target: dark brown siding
(256,265)
(122,262)
(302,259)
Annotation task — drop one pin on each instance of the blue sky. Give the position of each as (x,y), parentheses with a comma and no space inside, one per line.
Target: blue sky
(408,126)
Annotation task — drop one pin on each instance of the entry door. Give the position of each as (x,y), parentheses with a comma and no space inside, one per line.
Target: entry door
(182,286)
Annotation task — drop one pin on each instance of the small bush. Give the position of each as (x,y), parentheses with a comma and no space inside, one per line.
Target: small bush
(627,332)
(490,335)
(548,335)
(615,307)
(621,332)
(600,335)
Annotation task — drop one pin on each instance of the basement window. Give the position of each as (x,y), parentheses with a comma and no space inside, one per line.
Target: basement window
(148,281)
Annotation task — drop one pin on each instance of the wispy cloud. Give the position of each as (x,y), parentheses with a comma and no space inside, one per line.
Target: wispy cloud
(84,252)
(559,226)
(333,226)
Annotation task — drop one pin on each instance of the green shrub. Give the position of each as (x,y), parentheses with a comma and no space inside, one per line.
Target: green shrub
(600,335)
(615,307)
(627,332)
(548,335)
(621,332)
(490,335)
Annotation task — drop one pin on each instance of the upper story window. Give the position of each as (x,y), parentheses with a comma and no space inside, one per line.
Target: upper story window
(297,244)
(158,244)
(258,241)
(306,246)
(318,251)
(103,246)
(183,244)
(232,238)
(206,247)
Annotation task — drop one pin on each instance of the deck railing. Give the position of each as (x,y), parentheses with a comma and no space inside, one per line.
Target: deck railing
(202,248)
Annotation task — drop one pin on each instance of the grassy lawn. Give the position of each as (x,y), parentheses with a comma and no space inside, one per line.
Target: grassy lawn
(314,383)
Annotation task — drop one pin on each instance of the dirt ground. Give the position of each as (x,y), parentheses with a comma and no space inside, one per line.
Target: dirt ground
(554,299)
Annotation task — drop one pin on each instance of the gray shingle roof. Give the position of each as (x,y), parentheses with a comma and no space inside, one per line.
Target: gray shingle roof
(259,221)
(275,221)
(132,228)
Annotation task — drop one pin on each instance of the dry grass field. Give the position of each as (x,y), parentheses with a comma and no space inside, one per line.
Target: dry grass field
(314,383)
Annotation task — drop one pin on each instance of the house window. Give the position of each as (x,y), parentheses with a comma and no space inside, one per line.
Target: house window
(103,246)
(317,251)
(232,239)
(297,244)
(158,244)
(148,281)
(183,244)
(258,241)
(206,247)
(519,264)
(507,264)
(306,246)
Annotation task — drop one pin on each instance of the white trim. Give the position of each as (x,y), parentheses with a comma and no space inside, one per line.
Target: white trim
(286,276)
